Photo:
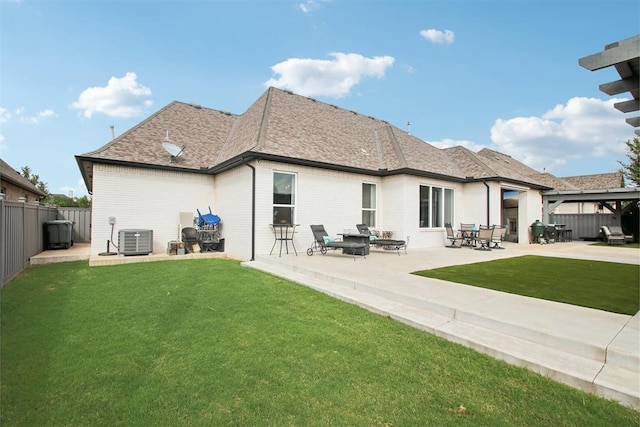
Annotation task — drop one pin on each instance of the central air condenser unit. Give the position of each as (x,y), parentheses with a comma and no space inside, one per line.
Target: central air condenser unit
(135,242)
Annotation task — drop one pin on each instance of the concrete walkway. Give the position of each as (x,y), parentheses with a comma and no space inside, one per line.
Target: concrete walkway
(592,350)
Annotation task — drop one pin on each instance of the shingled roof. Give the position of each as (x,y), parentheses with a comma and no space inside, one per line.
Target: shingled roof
(286,127)
(7,173)
(594,182)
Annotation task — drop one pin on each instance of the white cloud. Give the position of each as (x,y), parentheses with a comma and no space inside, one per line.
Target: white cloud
(5,115)
(583,128)
(335,78)
(446,143)
(122,97)
(309,5)
(438,37)
(38,117)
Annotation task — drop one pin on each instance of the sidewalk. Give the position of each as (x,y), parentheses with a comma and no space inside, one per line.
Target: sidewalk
(592,350)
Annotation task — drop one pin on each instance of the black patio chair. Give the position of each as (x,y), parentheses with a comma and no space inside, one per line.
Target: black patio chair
(190,237)
(550,233)
(323,242)
(386,243)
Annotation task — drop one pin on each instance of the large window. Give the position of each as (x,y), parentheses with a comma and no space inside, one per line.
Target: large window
(424,206)
(436,206)
(448,206)
(369,204)
(284,198)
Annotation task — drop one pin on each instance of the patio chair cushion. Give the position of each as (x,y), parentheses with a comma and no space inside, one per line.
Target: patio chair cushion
(329,239)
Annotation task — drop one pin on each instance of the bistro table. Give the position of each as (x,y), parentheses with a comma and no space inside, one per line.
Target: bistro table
(284,233)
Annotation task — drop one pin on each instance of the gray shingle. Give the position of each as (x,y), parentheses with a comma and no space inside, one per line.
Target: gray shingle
(283,124)
(595,182)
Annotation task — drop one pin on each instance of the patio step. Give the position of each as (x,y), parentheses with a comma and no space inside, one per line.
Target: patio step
(607,369)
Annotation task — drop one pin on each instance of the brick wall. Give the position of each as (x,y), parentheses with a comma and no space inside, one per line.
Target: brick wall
(145,198)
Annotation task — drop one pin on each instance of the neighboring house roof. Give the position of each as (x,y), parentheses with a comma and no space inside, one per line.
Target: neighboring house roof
(7,173)
(555,182)
(594,182)
(290,128)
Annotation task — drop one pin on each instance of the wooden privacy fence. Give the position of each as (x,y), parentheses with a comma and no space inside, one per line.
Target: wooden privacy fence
(22,232)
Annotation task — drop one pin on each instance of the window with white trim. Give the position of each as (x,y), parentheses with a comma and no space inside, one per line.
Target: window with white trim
(284,198)
(436,206)
(369,204)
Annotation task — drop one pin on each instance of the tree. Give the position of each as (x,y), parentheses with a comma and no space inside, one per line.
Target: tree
(67,202)
(35,179)
(631,171)
(83,202)
(55,199)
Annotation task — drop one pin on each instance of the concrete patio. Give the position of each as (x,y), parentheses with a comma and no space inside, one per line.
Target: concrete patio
(592,350)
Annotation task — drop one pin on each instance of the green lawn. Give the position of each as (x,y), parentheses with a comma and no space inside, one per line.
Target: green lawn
(208,342)
(626,245)
(605,286)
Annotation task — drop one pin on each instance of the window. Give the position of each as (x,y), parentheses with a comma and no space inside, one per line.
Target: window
(436,206)
(284,198)
(448,206)
(424,206)
(369,204)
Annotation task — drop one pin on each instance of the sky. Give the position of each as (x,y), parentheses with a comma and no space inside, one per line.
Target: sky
(478,73)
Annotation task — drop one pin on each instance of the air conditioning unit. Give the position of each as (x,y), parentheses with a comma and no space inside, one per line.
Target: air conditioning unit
(135,242)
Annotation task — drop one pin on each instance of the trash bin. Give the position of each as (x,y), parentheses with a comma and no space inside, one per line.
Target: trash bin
(58,234)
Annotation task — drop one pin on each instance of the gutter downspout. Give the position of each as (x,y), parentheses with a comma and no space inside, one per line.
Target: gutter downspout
(253,212)
(488,200)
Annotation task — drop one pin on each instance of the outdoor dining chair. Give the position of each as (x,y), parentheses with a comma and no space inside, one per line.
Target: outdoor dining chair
(455,238)
(484,237)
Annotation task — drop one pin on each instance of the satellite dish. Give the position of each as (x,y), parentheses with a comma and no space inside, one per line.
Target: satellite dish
(173,150)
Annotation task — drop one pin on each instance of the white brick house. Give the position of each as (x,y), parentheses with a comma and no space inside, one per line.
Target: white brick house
(331,159)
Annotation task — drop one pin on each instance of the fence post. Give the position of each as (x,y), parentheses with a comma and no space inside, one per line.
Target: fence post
(3,240)
(25,253)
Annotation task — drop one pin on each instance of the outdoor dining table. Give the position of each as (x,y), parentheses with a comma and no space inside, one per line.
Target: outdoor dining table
(469,237)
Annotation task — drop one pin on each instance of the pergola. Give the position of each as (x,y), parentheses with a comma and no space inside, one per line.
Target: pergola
(610,199)
(624,55)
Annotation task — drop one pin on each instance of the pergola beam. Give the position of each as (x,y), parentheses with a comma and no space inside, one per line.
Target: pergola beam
(628,106)
(624,50)
(620,86)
